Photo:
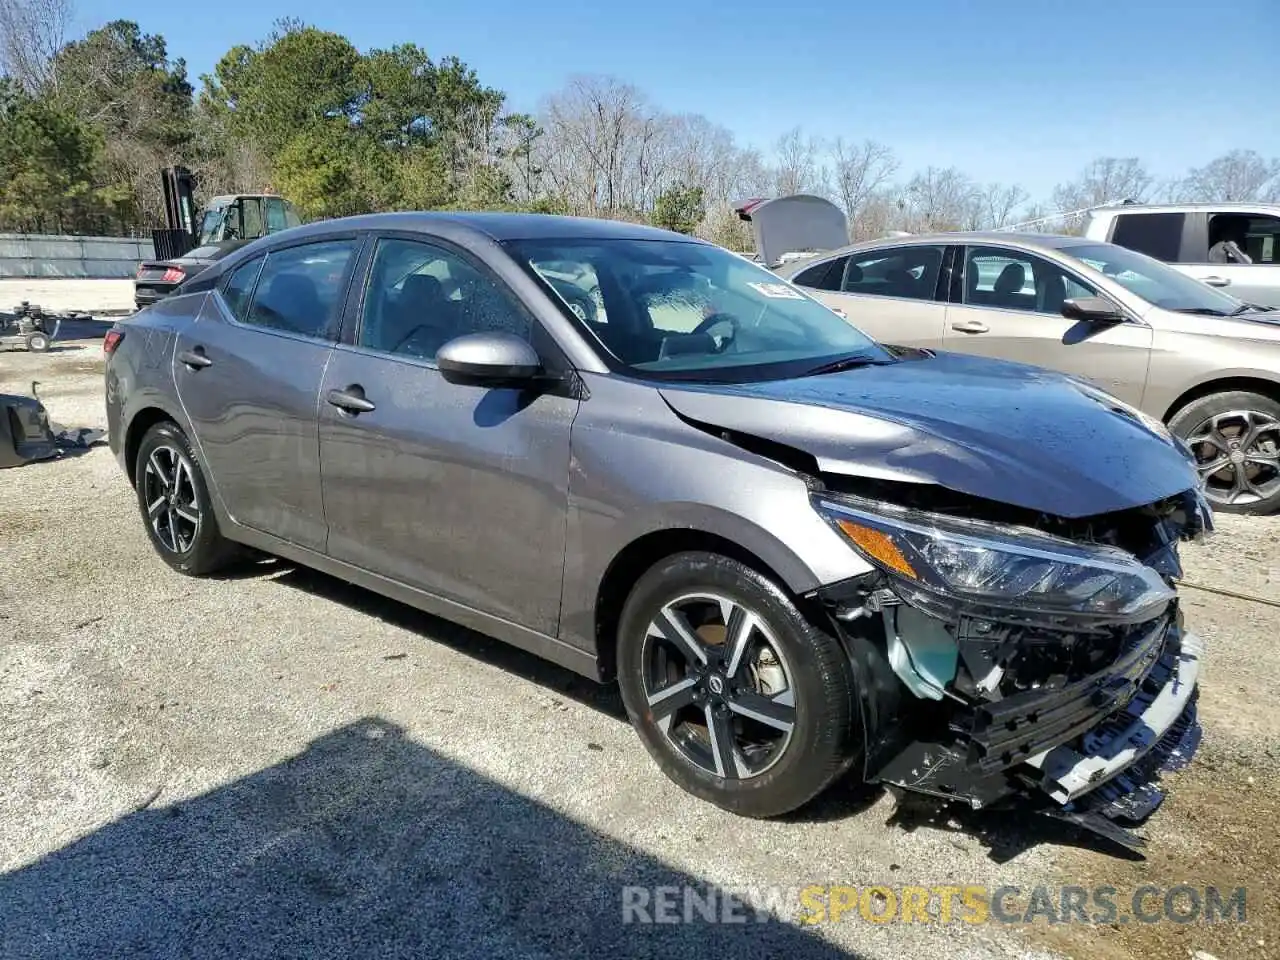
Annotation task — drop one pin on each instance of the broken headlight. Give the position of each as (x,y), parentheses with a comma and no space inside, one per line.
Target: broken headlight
(937,561)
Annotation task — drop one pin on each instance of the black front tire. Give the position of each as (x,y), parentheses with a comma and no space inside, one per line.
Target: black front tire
(1228,419)
(37,342)
(826,737)
(204,550)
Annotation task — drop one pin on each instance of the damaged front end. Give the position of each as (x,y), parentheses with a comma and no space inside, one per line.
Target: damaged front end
(1003,654)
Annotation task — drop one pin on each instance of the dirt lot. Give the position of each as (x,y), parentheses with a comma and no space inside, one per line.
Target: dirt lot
(279,764)
(63,293)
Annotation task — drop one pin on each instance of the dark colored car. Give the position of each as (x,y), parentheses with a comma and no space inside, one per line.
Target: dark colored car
(157,279)
(798,552)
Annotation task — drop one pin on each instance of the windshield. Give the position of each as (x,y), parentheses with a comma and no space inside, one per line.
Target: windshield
(209,225)
(674,310)
(1154,281)
(220,223)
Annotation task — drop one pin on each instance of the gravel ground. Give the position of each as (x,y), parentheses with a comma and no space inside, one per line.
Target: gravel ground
(279,764)
(68,293)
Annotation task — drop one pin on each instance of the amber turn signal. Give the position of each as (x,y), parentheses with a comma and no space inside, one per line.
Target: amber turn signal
(878,546)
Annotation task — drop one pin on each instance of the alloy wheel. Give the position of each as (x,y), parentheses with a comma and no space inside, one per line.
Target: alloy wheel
(1238,456)
(718,686)
(173,504)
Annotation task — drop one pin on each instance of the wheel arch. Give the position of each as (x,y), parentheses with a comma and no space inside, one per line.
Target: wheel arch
(642,553)
(1246,382)
(139,424)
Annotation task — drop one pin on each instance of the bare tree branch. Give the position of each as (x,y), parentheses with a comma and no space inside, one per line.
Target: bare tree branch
(799,168)
(860,171)
(939,200)
(1238,175)
(1105,180)
(1000,202)
(31,34)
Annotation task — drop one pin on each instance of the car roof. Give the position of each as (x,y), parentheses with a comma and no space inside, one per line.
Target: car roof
(223,199)
(1009,238)
(498,226)
(1228,206)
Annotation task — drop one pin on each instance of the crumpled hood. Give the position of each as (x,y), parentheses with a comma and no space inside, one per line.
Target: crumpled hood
(1003,431)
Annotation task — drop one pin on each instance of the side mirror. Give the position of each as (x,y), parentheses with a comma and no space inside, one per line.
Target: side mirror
(1092,310)
(489,360)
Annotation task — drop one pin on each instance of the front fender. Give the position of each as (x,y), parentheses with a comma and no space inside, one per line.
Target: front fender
(638,470)
(1165,401)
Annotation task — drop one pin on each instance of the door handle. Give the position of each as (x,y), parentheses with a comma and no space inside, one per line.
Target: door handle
(195,358)
(840,313)
(970,326)
(351,400)
(1217,281)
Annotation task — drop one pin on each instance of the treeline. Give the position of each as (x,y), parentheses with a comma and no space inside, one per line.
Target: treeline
(86,125)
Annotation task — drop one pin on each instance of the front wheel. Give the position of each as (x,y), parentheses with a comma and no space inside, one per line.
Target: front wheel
(37,342)
(1235,436)
(740,700)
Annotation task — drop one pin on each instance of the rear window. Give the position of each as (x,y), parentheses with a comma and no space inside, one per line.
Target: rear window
(1157,235)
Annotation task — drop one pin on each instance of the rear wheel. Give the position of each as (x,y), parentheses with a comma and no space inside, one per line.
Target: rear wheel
(1235,437)
(175,504)
(740,700)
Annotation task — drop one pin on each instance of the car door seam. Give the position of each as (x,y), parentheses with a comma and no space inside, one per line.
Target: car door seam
(210,481)
(568,480)
(317,410)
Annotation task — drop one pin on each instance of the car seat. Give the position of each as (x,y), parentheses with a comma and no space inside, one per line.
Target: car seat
(1051,293)
(420,320)
(1009,285)
(291,302)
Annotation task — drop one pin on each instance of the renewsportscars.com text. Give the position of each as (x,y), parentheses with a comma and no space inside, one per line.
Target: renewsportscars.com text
(972,904)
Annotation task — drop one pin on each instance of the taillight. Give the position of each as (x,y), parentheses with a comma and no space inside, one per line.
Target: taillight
(173,275)
(111,341)
(142,268)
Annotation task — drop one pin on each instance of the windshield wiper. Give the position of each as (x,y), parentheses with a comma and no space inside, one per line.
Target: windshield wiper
(847,363)
(1249,308)
(1202,311)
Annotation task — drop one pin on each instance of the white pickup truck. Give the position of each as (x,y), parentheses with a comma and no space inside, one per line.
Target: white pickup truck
(1235,246)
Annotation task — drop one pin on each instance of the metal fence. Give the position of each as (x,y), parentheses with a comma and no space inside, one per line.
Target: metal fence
(93,258)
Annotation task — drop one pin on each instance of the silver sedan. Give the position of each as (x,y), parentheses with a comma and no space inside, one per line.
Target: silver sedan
(1192,357)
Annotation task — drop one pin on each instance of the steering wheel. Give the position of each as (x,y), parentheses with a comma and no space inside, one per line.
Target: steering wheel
(722,343)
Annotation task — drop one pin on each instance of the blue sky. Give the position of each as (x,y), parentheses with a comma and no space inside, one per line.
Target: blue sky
(1024,91)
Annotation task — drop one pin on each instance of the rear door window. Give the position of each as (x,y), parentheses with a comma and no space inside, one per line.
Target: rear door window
(908,272)
(1157,235)
(301,289)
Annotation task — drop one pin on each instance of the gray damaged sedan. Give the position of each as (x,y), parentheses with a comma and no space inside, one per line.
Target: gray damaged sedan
(801,554)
